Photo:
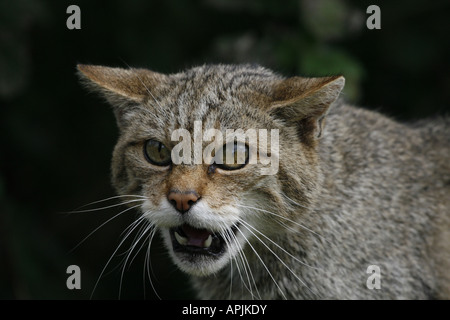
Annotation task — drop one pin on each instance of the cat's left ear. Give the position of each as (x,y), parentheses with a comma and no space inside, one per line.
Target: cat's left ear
(122,88)
(118,84)
(304,102)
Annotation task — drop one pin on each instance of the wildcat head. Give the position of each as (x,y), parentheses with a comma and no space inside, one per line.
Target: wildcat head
(225,192)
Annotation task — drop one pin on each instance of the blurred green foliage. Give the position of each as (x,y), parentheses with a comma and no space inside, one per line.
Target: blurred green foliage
(56,139)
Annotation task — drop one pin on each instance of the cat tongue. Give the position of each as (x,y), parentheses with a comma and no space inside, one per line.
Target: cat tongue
(195,237)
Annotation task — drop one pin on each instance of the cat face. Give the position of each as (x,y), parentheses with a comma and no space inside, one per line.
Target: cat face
(209,192)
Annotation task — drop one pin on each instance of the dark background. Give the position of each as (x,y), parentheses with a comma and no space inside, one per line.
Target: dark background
(56,139)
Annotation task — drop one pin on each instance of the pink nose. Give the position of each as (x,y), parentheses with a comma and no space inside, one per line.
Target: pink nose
(182,201)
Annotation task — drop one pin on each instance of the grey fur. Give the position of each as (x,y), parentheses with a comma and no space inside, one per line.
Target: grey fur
(369,191)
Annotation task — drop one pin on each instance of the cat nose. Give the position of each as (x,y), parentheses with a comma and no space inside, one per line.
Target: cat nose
(182,201)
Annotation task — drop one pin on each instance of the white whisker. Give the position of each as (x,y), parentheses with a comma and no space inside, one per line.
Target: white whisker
(276,256)
(137,198)
(287,219)
(230,236)
(107,207)
(140,234)
(103,224)
(113,254)
(148,264)
(277,245)
(264,265)
(296,203)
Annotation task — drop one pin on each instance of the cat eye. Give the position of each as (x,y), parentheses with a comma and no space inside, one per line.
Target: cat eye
(232,156)
(157,153)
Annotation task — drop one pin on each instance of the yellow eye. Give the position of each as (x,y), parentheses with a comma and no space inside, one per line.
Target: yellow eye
(157,153)
(233,156)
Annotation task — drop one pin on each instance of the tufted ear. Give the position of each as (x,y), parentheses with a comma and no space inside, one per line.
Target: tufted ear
(304,102)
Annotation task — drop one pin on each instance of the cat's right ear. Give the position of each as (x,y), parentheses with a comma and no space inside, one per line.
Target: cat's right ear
(122,88)
(304,102)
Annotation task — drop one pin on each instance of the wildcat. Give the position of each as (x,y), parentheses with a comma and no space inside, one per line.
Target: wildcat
(353,191)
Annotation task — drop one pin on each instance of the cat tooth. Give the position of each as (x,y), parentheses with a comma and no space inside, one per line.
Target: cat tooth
(208,242)
(181,240)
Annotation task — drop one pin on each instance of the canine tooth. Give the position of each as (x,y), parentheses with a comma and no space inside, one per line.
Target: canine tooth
(181,240)
(208,242)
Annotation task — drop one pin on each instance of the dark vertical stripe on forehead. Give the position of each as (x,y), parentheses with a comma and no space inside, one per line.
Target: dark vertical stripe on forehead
(198,92)
(246,78)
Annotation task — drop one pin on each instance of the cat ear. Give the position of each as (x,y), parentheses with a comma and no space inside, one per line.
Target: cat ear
(124,89)
(119,85)
(305,101)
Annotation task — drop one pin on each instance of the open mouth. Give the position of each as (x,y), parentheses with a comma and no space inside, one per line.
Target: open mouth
(188,239)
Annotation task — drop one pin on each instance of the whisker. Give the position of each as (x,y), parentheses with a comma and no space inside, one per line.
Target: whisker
(140,234)
(138,220)
(227,241)
(279,259)
(296,203)
(247,269)
(228,237)
(148,264)
(264,265)
(104,200)
(107,207)
(100,226)
(130,228)
(287,219)
(148,228)
(231,277)
(277,245)
(111,257)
